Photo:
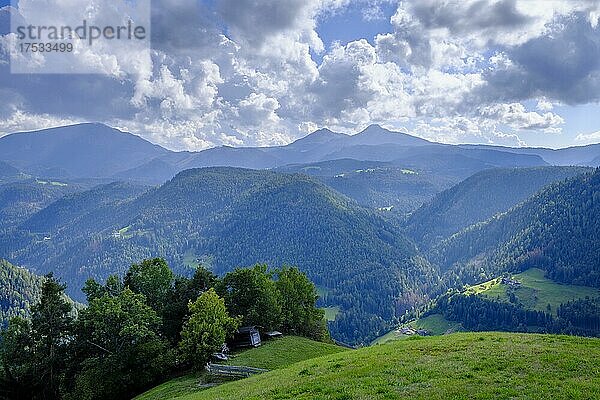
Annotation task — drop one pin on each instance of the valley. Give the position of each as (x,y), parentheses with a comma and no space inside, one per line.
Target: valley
(300,199)
(382,221)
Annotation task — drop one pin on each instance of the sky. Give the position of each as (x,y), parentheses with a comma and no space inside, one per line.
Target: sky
(266,72)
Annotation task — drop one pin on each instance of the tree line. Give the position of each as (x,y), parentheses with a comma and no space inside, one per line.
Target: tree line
(138,329)
(580,317)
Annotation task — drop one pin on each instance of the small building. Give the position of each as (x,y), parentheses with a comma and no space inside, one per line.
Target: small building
(247,336)
(510,281)
(273,334)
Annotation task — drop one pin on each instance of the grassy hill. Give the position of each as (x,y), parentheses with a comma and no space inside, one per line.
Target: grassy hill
(535,291)
(435,324)
(458,366)
(271,355)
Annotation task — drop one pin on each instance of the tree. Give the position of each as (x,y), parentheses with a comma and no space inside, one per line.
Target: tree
(93,290)
(18,380)
(153,278)
(184,290)
(298,305)
(34,353)
(252,294)
(118,347)
(207,328)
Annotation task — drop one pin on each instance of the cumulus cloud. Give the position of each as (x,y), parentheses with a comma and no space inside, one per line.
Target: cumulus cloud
(517,117)
(258,73)
(17,120)
(563,65)
(460,17)
(592,137)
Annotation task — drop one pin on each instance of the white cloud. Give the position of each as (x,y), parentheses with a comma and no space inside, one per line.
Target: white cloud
(588,138)
(517,117)
(21,121)
(245,73)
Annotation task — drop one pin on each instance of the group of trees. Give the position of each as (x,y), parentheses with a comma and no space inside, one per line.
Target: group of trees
(555,230)
(137,329)
(579,317)
(478,314)
(19,289)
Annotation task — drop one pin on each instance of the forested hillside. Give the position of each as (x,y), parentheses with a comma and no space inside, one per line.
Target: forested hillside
(19,289)
(480,197)
(556,230)
(19,200)
(386,186)
(8,173)
(225,217)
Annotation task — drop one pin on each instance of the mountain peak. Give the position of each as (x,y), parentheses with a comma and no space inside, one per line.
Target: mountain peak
(322,135)
(375,135)
(88,150)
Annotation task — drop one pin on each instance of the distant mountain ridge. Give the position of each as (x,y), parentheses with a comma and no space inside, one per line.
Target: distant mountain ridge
(77,151)
(93,150)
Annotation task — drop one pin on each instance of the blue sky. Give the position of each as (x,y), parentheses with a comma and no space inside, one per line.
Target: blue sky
(265,72)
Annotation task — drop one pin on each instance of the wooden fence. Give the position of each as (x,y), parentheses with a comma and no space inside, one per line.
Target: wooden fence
(233,371)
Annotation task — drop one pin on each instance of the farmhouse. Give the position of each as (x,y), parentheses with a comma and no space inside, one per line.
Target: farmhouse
(247,336)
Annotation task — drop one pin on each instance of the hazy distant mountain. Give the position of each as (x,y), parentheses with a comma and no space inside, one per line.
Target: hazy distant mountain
(580,155)
(318,137)
(375,135)
(153,172)
(98,151)
(479,197)
(76,151)
(8,173)
(7,170)
(19,200)
(224,156)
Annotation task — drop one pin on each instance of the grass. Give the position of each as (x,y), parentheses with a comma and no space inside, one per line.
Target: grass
(274,354)
(50,183)
(322,292)
(331,313)
(457,366)
(436,324)
(535,292)
(280,353)
(174,388)
(190,260)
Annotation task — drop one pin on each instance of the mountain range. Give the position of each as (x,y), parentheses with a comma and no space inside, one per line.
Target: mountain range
(94,150)
(381,221)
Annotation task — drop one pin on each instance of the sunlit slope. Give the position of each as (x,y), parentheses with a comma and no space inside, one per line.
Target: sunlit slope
(458,366)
